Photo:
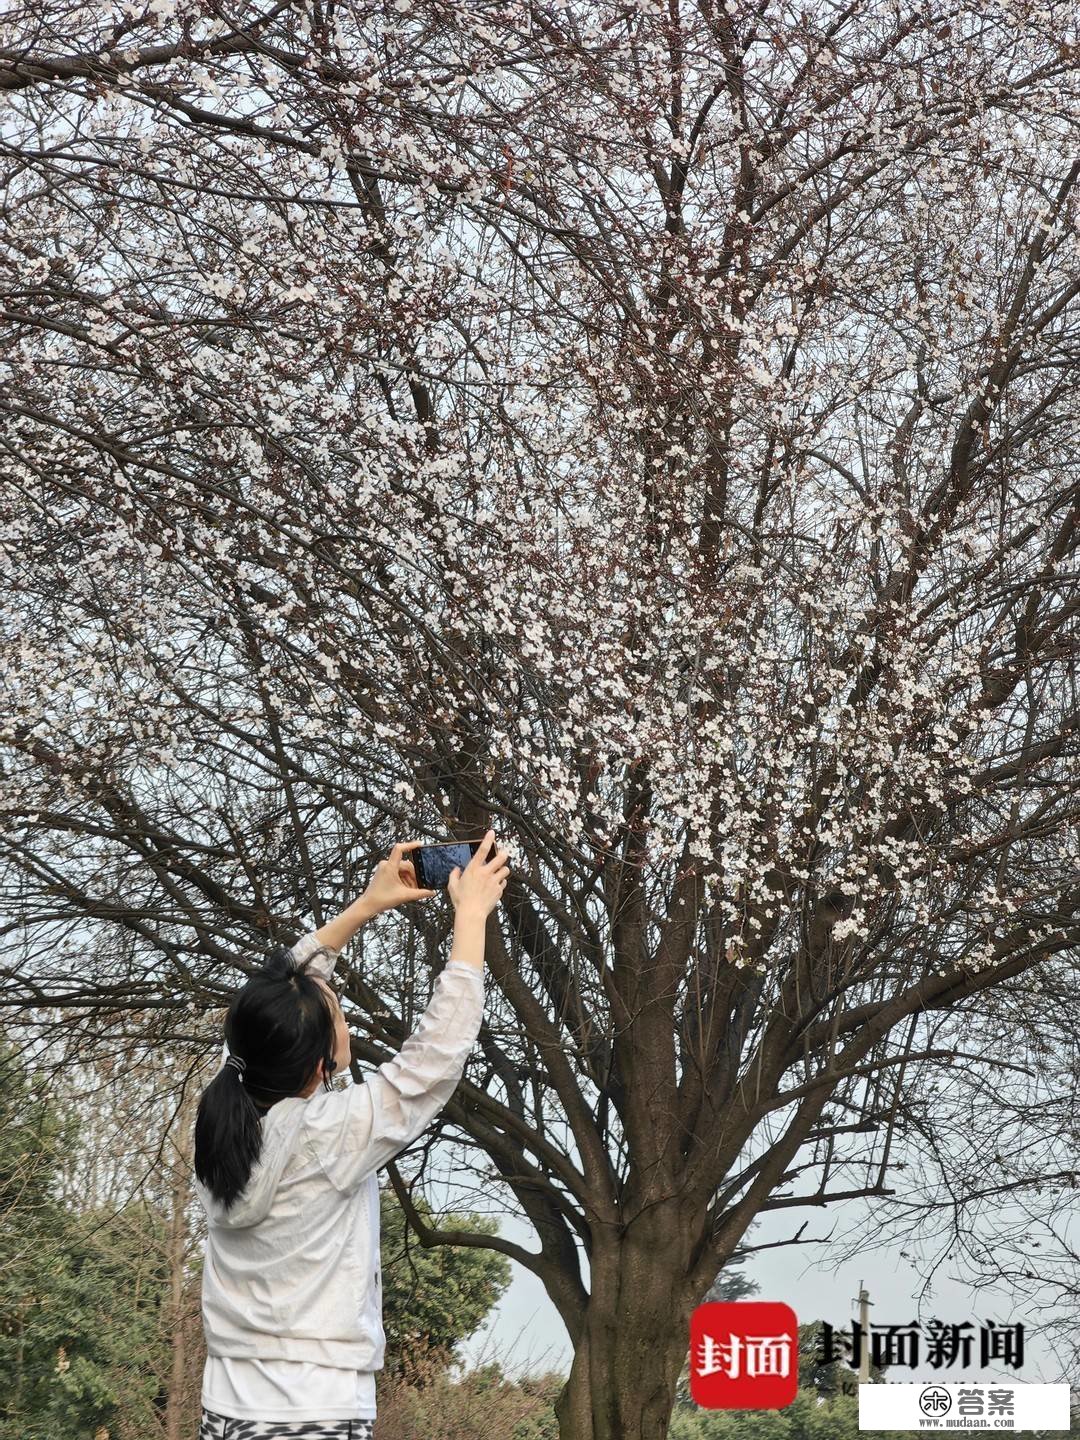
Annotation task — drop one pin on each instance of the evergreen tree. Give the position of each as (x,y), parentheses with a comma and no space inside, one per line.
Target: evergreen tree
(81,1343)
(434,1297)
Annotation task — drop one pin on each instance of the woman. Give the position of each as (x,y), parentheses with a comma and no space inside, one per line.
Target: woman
(291,1296)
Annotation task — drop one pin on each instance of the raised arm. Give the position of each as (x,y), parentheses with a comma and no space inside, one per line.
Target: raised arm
(337,933)
(357,1130)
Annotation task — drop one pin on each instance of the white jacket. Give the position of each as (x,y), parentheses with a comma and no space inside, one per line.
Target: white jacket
(292,1270)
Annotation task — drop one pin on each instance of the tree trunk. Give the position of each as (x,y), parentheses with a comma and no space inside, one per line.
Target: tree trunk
(176,1250)
(626,1367)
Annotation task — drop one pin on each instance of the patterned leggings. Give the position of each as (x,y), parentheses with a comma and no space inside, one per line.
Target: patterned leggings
(224,1427)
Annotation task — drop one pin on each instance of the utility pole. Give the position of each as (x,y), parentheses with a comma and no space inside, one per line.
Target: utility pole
(864,1302)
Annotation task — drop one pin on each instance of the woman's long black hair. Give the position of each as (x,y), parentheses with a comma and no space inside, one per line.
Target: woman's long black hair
(281,1023)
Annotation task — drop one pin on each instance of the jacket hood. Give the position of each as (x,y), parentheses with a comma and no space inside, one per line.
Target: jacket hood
(280,1133)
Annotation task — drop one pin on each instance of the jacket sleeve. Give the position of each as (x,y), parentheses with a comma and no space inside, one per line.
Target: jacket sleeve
(323,964)
(325,959)
(363,1126)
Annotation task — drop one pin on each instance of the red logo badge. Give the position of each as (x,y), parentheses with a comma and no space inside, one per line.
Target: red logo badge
(744,1355)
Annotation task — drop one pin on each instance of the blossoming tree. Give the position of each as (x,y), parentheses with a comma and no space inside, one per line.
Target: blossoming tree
(646,427)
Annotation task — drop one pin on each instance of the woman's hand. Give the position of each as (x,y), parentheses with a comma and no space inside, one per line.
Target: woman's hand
(394,881)
(479,887)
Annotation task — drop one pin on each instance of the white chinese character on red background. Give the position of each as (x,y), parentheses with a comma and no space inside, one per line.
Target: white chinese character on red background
(764,1355)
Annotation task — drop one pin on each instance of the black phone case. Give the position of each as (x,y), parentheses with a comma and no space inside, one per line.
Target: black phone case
(424,877)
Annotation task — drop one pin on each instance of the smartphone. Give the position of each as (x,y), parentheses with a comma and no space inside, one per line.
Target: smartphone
(434,862)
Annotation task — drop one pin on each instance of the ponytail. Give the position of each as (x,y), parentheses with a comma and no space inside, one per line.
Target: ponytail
(278,1027)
